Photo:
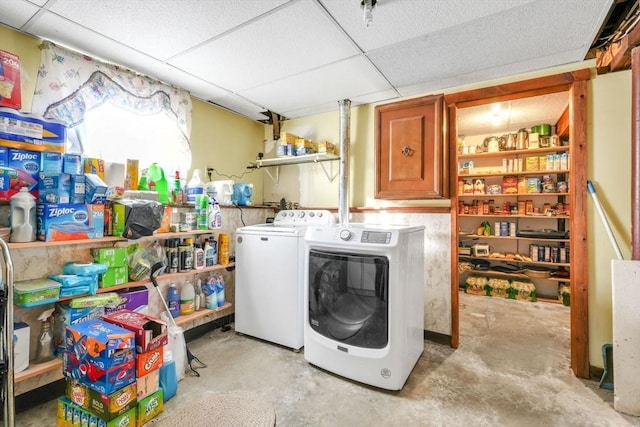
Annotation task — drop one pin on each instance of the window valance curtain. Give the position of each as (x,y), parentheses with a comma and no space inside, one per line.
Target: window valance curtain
(70,84)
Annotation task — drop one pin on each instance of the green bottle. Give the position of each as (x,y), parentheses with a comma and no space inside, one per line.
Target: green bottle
(156,175)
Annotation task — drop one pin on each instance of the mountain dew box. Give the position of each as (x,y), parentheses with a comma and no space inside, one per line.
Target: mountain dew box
(29,132)
(58,222)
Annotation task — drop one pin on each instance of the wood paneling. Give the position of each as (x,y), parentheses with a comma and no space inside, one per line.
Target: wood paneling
(410,154)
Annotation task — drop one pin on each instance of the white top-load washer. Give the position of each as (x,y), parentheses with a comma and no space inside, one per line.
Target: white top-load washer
(269,293)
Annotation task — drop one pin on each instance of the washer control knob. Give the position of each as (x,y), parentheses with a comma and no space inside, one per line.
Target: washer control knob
(301,214)
(291,213)
(346,235)
(311,214)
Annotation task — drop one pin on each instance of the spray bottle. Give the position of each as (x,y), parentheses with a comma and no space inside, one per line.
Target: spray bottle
(44,349)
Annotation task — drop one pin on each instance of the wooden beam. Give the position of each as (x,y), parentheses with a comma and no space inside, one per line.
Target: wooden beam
(617,56)
(635,154)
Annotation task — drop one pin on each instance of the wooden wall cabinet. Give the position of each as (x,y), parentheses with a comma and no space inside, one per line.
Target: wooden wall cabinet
(410,152)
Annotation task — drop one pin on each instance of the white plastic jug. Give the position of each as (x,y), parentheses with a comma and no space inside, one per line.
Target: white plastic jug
(223,190)
(23,216)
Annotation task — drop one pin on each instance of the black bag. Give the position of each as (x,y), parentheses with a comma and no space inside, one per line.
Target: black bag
(142,217)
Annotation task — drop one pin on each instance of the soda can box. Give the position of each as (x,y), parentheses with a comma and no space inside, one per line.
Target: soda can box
(150,332)
(72,164)
(105,406)
(149,361)
(148,384)
(54,188)
(114,276)
(104,381)
(10,92)
(149,407)
(58,222)
(71,415)
(64,315)
(29,132)
(101,343)
(95,189)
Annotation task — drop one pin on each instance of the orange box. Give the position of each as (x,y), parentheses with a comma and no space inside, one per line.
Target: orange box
(165,224)
(93,165)
(131,175)
(10,93)
(149,361)
(510,185)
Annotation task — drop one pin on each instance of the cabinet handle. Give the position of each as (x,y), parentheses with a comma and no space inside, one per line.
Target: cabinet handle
(407,151)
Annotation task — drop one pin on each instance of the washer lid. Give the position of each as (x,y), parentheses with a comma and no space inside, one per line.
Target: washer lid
(272,229)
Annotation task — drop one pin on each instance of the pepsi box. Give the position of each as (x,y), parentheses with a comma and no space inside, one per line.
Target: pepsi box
(101,343)
(104,381)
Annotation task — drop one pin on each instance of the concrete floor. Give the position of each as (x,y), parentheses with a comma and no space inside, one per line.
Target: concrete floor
(511,369)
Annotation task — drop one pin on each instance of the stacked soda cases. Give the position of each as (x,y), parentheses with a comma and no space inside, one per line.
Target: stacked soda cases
(112,366)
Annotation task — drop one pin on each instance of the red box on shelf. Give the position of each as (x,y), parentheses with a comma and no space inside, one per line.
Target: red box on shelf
(150,332)
(149,361)
(10,92)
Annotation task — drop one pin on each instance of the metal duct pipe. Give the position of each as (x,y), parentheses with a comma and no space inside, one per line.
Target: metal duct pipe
(343,189)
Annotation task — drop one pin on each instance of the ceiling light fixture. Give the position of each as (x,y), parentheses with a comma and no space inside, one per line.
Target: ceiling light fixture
(368,6)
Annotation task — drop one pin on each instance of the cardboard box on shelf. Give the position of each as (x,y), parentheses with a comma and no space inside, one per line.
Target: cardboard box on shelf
(101,343)
(149,407)
(148,384)
(30,132)
(149,361)
(94,166)
(95,189)
(54,188)
(132,299)
(59,222)
(150,332)
(104,381)
(10,88)
(71,415)
(111,257)
(105,406)
(114,276)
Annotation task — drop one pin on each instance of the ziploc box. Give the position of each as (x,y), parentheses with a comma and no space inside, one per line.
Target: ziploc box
(77,190)
(51,162)
(102,344)
(105,406)
(104,381)
(149,407)
(95,189)
(30,132)
(150,332)
(58,222)
(71,415)
(10,92)
(54,188)
(93,165)
(22,167)
(72,164)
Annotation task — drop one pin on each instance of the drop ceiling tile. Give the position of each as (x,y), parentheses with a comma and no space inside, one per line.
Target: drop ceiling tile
(241,106)
(397,21)
(16,13)
(162,28)
(293,39)
(505,41)
(342,80)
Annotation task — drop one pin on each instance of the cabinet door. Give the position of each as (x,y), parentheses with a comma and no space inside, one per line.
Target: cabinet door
(410,152)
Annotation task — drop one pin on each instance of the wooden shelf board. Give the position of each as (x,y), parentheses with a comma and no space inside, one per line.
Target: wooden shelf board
(489,196)
(514,216)
(475,236)
(514,152)
(490,174)
(148,281)
(186,319)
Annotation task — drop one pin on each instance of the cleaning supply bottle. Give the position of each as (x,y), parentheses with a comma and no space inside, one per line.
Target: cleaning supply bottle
(156,179)
(214,215)
(220,291)
(199,299)
(203,202)
(23,216)
(195,187)
(44,348)
(198,257)
(173,300)
(178,192)
(209,291)
(168,376)
(210,255)
(187,297)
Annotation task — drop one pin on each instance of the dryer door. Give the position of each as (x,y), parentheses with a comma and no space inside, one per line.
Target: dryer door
(348,297)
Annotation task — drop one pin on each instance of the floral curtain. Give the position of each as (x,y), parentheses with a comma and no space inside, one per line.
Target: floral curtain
(70,84)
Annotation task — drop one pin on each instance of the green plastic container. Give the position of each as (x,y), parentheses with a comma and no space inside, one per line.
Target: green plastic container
(32,293)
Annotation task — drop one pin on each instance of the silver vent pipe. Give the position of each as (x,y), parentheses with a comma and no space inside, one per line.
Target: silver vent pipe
(343,188)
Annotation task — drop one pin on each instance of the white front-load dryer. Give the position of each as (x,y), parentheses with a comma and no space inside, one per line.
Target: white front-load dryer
(364,293)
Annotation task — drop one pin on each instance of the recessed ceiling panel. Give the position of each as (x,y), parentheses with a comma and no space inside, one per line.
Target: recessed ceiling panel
(241,106)
(162,28)
(343,80)
(16,13)
(295,38)
(398,21)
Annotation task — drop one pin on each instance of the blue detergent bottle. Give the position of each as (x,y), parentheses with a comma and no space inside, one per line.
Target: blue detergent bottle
(173,300)
(168,376)
(220,291)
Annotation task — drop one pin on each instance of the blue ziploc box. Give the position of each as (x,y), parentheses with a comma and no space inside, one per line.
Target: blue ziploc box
(95,189)
(72,164)
(54,188)
(51,162)
(26,167)
(77,192)
(57,222)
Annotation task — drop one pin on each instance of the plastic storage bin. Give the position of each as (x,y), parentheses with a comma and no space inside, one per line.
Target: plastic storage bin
(32,293)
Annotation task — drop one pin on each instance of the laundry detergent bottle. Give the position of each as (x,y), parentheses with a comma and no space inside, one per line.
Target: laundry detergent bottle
(195,187)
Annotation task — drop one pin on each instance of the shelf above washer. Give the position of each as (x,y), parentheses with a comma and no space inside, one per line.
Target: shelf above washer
(296,160)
